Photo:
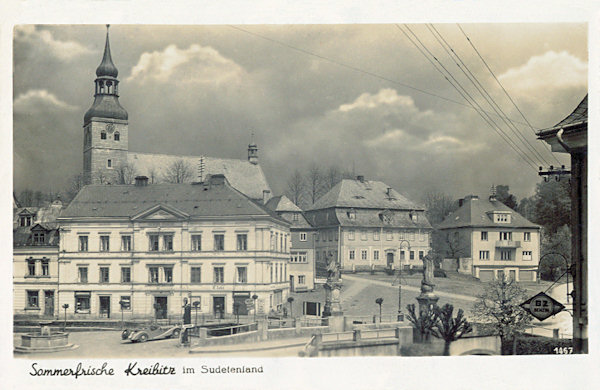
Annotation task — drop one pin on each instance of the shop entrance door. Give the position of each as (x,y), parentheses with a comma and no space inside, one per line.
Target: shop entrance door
(160,308)
(49,303)
(105,307)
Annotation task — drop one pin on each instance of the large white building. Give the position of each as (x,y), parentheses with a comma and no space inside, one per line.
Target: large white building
(366,224)
(492,241)
(147,247)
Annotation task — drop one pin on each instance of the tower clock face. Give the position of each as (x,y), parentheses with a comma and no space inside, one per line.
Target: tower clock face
(110,128)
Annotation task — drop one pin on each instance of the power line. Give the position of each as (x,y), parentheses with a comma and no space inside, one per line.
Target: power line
(465,95)
(354,68)
(503,89)
(482,91)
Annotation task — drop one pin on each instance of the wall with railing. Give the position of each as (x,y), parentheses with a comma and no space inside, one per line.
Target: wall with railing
(359,342)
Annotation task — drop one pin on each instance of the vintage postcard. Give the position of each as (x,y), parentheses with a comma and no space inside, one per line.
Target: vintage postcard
(239,205)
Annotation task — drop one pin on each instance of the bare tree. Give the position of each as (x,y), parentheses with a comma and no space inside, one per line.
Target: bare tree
(178,171)
(153,175)
(101,177)
(438,205)
(314,180)
(126,173)
(296,187)
(332,176)
(77,183)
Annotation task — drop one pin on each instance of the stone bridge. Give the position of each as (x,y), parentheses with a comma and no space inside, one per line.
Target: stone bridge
(476,345)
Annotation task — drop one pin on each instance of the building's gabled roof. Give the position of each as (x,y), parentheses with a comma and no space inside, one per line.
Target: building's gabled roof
(364,194)
(212,199)
(282,203)
(476,212)
(241,174)
(287,210)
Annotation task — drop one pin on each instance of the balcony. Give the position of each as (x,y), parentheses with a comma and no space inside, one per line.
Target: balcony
(508,244)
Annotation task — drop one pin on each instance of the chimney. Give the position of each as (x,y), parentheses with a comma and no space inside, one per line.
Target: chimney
(216,180)
(460,202)
(266,196)
(360,178)
(389,192)
(493,194)
(141,181)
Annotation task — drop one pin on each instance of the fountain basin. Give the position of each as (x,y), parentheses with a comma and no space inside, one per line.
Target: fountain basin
(44,342)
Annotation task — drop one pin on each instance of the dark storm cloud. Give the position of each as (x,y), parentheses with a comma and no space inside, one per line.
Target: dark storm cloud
(203,90)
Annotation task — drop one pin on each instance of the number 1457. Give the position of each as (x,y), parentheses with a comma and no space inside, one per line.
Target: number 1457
(563,350)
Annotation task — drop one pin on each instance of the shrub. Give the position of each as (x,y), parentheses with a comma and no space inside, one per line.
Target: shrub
(536,345)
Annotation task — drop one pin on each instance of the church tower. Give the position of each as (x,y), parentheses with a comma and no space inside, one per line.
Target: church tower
(105,127)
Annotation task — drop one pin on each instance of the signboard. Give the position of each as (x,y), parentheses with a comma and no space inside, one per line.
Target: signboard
(260,308)
(542,306)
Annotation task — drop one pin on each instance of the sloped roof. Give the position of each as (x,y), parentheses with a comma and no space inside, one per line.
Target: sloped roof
(576,119)
(282,203)
(241,174)
(364,194)
(22,236)
(287,210)
(372,218)
(476,212)
(195,200)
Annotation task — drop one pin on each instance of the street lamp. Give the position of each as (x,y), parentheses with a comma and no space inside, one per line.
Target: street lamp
(290,300)
(254,297)
(236,309)
(566,264)
(400,315)
(196,304)
(65,306)
(122,303)
(379,301)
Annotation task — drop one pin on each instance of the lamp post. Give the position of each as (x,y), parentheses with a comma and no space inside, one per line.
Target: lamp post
(566,264)
(196,304)
(236,309)
(65,306)
(122,304)
(400,314)
(290,301)
(379,301)
(254,297)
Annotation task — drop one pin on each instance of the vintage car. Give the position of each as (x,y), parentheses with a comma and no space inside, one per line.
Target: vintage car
(151,332)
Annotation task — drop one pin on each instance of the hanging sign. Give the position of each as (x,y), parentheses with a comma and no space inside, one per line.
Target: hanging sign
(542,306)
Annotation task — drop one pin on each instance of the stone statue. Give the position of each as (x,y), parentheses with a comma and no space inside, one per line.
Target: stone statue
(333,270)
(427,282)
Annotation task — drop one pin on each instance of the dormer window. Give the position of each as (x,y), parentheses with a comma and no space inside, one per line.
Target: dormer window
(351,214)
(38,238)
(501,217)
(295,217)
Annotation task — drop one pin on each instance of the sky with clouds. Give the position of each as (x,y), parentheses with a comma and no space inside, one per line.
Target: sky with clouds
(351,95)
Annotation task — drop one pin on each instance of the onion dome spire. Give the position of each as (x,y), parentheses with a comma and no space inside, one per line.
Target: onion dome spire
(106,67)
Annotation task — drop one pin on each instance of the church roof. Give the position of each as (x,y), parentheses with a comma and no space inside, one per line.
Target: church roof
(244,176)
(107,67)
(194,200)
(364,194)
(106,106)
(476,212)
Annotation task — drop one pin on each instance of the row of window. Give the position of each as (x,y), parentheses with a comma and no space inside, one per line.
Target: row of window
(506,236)
(34,270)
(389,235)
(116,135)
(505,254)
(164,274)
(364,254)
(164,242)
(298,257)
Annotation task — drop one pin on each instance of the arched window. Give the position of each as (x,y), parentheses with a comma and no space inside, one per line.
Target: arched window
(103,135)
(117,136)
